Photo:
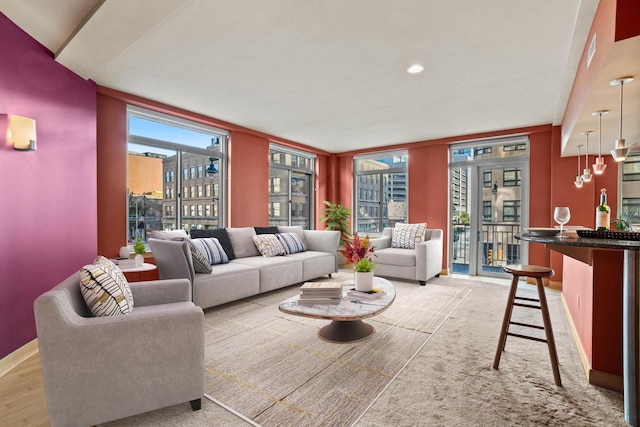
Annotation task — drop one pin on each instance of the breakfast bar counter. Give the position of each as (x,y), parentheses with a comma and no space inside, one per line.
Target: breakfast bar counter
(583,249)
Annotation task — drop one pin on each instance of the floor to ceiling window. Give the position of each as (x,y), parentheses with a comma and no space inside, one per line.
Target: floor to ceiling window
(175,174)
(291,186)
(380,191)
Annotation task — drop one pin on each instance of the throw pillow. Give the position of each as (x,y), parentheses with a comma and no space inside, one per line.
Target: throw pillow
(200,261)
(220,234)
(105,261)
(291,243)
(104,290)
(241,240)
(266,230)
(212,249)
(268,245)
(406,235)
(294,229)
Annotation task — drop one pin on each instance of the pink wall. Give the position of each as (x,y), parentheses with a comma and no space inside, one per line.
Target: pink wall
(47,197)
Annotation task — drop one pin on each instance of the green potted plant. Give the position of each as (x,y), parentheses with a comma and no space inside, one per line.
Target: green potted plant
(336,217)
(140,250)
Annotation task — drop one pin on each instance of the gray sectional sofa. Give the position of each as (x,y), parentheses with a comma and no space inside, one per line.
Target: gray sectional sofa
(247,273)
(421,263)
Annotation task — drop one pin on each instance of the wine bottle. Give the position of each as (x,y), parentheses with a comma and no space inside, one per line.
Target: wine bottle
(602,212)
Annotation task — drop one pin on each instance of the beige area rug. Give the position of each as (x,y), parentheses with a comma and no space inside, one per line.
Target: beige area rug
(272,367)
(449,382)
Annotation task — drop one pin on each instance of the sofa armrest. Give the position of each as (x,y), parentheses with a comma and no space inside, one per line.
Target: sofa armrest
(429,255)
(322,240)
(160,292)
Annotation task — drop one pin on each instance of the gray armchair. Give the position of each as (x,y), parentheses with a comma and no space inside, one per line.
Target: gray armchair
(98,369)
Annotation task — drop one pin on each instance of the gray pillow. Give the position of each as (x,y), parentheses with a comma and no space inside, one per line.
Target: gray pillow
(242,241)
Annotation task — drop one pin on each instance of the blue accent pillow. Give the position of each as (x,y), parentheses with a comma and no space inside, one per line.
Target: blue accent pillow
(292,242)
(218,233)
(212,249)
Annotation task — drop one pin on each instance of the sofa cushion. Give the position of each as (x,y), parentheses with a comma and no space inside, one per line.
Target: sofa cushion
(291,242)
(212,249)
(200,262)
(220,234)
(396,256)
(242,241)
(266,230)
(168,235)
(105,290)
(406,235)
(269,245)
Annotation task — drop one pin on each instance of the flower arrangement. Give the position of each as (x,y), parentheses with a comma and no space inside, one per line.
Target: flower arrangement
(359,252)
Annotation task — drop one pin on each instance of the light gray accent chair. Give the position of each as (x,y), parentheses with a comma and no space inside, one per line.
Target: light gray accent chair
(99,369)
(421,263)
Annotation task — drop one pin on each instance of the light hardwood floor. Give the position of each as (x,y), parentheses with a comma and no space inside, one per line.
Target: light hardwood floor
(22,400)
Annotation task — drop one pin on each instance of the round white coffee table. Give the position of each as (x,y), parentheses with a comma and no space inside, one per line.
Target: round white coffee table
(346,317)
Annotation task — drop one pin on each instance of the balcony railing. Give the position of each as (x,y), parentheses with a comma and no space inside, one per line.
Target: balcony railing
(497,242)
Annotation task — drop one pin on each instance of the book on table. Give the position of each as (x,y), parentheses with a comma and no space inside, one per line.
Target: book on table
(368,295)
(318,301)
(321,290)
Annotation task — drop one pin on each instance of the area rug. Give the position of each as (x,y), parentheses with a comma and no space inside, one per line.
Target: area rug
(273,369)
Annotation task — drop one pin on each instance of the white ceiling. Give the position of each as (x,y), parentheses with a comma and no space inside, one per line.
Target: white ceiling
(328,73)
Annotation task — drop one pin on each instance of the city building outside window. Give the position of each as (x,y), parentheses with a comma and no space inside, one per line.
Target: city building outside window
(168,154)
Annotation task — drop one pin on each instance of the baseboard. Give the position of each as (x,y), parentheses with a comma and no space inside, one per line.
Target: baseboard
(595,377)
(12,360)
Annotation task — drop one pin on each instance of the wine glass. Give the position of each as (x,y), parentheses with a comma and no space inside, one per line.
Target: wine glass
(561,215)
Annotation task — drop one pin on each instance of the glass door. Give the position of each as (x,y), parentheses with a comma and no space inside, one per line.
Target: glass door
(488,196)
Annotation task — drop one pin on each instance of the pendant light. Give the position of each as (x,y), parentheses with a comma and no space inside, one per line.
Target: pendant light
(621,151)
(586,173)
(599,166)
(578,181)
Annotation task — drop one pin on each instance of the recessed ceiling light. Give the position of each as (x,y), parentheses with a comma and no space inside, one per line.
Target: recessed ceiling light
(415,69)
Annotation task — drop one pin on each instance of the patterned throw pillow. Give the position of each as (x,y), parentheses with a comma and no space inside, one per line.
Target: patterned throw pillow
(268,245)
(212,249)
(405,236)
(199,260)
(291,242)
(105,290)
(220,234)
(106,261)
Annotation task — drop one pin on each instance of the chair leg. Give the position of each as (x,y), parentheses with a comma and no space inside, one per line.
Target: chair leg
(196,404)
(553,355)
(422,282)
(505,322)
(329,275)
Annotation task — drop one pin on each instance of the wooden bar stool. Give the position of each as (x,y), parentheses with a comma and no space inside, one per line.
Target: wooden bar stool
(538,273)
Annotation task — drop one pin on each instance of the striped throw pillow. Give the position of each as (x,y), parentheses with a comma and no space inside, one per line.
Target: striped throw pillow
(405,236)
(105,290)
(199,260)
(268,245)
(106,261)
(212,249)
(292,243)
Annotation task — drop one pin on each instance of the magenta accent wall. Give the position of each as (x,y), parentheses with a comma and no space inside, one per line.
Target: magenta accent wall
(48,198)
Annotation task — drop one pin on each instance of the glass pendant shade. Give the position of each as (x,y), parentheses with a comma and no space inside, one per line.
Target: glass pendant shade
(578,181)
(586,173)
(599,166)
(621,151)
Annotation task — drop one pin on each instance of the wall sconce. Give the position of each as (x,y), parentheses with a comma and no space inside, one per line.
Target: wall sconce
(586,173)
(578,181)
(621,151)
(22,133)
(212,169)
(599,166)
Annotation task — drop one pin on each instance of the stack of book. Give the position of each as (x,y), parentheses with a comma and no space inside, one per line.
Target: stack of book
(312,293)
(366,295)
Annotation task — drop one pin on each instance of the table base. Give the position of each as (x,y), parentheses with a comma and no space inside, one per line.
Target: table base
(343,331)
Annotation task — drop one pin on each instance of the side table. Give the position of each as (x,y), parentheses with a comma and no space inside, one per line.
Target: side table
(139,269)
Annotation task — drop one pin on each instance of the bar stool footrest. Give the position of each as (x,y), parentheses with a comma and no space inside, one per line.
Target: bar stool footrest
(526,337)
